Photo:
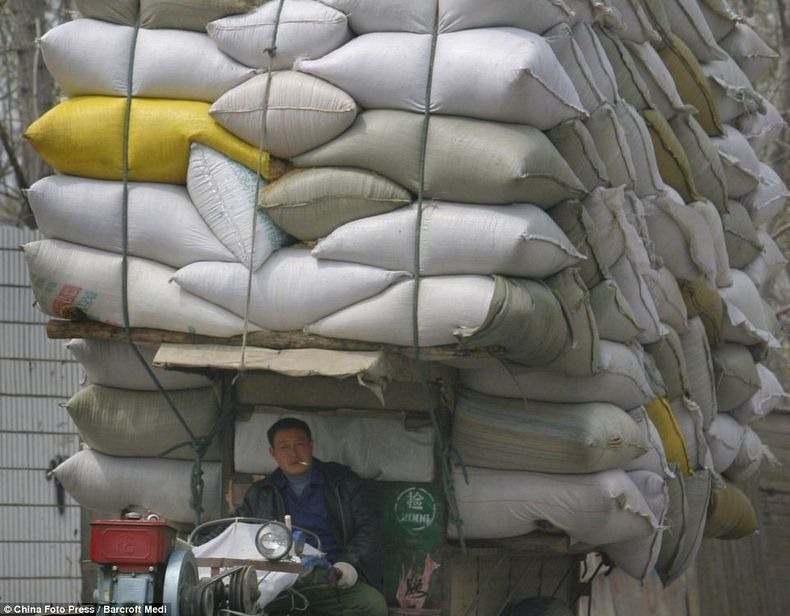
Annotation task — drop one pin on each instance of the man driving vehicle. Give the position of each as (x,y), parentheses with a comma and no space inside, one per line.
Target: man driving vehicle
(329,500)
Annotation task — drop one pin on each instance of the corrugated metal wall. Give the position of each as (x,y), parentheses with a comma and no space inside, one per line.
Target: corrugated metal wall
(39,543)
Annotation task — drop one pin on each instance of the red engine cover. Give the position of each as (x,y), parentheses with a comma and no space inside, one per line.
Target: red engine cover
(131,544)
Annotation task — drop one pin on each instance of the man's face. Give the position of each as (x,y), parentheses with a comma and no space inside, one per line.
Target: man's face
(292,450)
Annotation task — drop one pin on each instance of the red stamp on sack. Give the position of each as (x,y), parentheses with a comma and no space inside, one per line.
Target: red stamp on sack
(67,296)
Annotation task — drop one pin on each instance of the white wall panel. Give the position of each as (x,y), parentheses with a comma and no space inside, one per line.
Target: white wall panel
(41,590)
(23,523)
(39,546)
(27,414)
(35,451)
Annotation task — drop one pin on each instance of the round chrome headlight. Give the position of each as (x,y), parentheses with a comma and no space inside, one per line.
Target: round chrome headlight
(273,540)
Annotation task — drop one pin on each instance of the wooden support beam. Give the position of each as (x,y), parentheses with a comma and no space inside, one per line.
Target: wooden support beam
(538,542)
(59,329)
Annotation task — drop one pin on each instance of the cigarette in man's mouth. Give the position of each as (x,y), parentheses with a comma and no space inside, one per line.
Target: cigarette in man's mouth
(302,462)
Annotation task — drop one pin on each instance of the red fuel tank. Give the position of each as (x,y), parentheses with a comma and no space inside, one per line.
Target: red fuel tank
(131,545)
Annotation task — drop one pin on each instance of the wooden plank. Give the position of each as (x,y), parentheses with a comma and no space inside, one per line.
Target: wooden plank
(460,585)
(60,329)
(263,388)
(493,582)
(537,542)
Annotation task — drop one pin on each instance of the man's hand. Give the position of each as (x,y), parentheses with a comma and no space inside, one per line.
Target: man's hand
(343,575)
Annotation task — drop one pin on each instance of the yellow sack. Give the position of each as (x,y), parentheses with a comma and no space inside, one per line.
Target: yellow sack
(83,136)
(673,164)
(691,83)
(660,414)
(730,514)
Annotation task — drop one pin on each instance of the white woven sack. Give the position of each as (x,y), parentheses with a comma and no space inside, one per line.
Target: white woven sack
(162,223)
(771,396)
(699,368)
(685,525)
(689,419)
(631,22)
(87,56)
(668,298)
(750,457)
(769,264)
(446,304)
(575,144)
(115,364)
(163,13)
(690,25)
(303,29)
(512,240)
(291,290)
(630,85)
(715,235)
(659,81)
(745,296)
(685,245)
(301,112)
(732,91)
(621,380)
(518,79)
(311,203)
(225,194)
(704,161)
(110,484)
(570,55)
(612,142)
(66,275)
(637,294)
(606,209)
(725,437)
(613,315)
(379,448)
(749,50)
(740,236)
(654,460)
(595,509)
(648,180)
(768,199)
(547,437)
(737,379)
(498,163)
(637,557)
(740,329)
(586,39)
(127,423)
(670,362)
(741,165)
(762,127)
(720,17)
(367,16)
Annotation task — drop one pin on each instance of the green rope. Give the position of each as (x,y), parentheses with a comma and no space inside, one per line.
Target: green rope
(448,453)
(270,52)
(125,230)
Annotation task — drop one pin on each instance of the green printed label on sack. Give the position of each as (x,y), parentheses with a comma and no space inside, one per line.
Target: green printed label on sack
(415,509)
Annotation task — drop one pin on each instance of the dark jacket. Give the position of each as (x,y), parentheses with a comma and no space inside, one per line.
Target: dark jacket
(355,524)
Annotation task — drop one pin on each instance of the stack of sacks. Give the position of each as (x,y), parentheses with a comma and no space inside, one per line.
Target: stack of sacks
(585,194)
(170,222)
(126,424)
(500,232)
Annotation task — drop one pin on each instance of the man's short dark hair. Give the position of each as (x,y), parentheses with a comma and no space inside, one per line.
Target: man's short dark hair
(287,423)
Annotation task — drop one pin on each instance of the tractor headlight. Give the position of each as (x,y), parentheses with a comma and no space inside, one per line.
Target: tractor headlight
(273,540)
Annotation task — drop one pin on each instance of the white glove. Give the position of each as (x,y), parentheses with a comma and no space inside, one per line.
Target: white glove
(347,574)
